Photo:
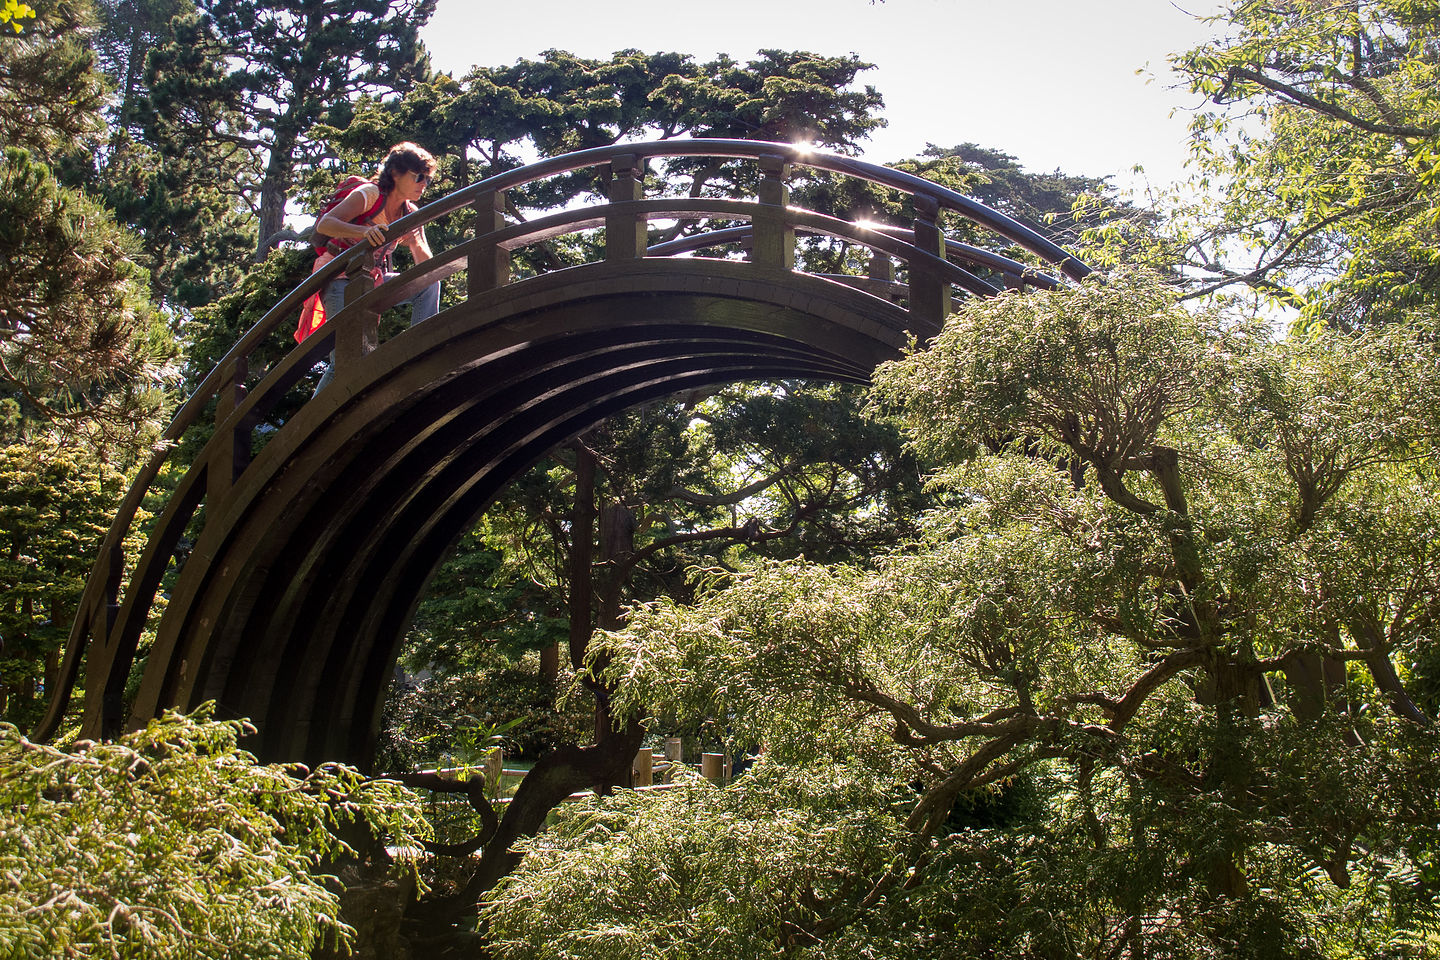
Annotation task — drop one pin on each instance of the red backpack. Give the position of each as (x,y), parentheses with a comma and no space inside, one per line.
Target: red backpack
(347,186)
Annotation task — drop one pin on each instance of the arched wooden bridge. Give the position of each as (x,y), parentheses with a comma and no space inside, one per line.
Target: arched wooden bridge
(314,551)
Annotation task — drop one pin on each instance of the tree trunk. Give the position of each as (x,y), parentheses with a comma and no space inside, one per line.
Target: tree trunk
(582,552)
(275,189)
(550,663)
(617,544)
(133,64)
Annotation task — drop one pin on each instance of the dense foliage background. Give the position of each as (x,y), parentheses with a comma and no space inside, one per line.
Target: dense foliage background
(1104,626)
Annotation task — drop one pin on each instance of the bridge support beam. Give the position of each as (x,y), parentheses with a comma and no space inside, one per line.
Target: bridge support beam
(929,290)
(774,236)
(355,339)
(488,267)
(626,233)
(233,457)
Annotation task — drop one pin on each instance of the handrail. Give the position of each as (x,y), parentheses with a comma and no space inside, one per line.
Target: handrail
(1020,273)
(103,585)
(1027,238)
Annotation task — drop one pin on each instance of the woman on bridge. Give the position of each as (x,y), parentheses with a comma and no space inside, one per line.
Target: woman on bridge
(362,215)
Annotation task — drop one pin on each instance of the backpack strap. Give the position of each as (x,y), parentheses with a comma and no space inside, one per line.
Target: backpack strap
(338,245)
(369,214)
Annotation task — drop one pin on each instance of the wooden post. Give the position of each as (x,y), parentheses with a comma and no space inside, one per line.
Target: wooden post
(489,266)
(929,292)
(494,766)
(880,266)
(358,335)
(626,234)
(674,749)
(712,767)
(642,771)
(230,458)
(774,244)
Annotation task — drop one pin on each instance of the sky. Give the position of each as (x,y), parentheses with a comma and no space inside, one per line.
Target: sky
(1076,85)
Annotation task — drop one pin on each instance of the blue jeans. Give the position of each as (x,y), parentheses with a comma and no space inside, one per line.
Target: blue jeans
(423,306)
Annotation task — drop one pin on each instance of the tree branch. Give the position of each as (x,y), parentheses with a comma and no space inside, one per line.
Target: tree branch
(1301,98)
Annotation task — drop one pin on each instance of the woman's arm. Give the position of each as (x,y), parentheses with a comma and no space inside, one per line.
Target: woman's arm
(338,221)
(419,246)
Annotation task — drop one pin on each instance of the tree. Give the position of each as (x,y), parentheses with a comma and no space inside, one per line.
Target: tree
(628,511)
(622,513)
(81,350)
(172,841)
(757,856)
(1183,592)
(181,195)
(129,30)
(275,68)
(494,118)
(1321,147)
(54,508)
(50,95)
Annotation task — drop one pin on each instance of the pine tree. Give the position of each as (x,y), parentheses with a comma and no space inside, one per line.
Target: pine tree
(50,94)
(129,29)
(274,69)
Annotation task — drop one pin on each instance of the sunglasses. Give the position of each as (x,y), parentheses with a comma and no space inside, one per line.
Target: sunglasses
(421,178)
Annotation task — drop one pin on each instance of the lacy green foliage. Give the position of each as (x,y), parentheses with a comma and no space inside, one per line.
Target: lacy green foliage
(55,506)
(483,609)
(1100,367)
(173,842)
(1158,530)
(1316,157)
(699,871)
(80,346)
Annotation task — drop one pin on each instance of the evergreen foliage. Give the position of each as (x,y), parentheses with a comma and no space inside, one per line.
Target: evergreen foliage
(81,350)
(50,94)
(55,505)
(269,71)
(172,841)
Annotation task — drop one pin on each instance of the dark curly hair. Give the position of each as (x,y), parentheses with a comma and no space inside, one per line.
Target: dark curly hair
(404,158)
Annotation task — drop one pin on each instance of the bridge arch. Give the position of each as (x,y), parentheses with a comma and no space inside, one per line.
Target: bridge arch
(316,548)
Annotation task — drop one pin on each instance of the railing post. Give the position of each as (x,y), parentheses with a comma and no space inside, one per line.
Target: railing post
(929,291)
(231,457)
(494,769)
(714,767)
(880,267)
(489,266)
(359,335)
(642,771)
(626,234)
(774,243)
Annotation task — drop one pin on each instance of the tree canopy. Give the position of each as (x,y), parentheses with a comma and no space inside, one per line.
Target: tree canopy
(1102,626)
(1194,645)
(1318,141)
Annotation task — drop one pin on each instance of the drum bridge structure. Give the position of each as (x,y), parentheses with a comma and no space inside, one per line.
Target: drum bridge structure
(307,544)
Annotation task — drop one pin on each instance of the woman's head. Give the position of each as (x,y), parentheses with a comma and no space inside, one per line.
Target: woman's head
(405,158)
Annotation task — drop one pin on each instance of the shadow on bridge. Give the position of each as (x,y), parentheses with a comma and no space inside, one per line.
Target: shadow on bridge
(317,544)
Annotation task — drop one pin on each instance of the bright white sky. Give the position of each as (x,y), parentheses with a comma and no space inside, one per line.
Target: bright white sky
(1054,83)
